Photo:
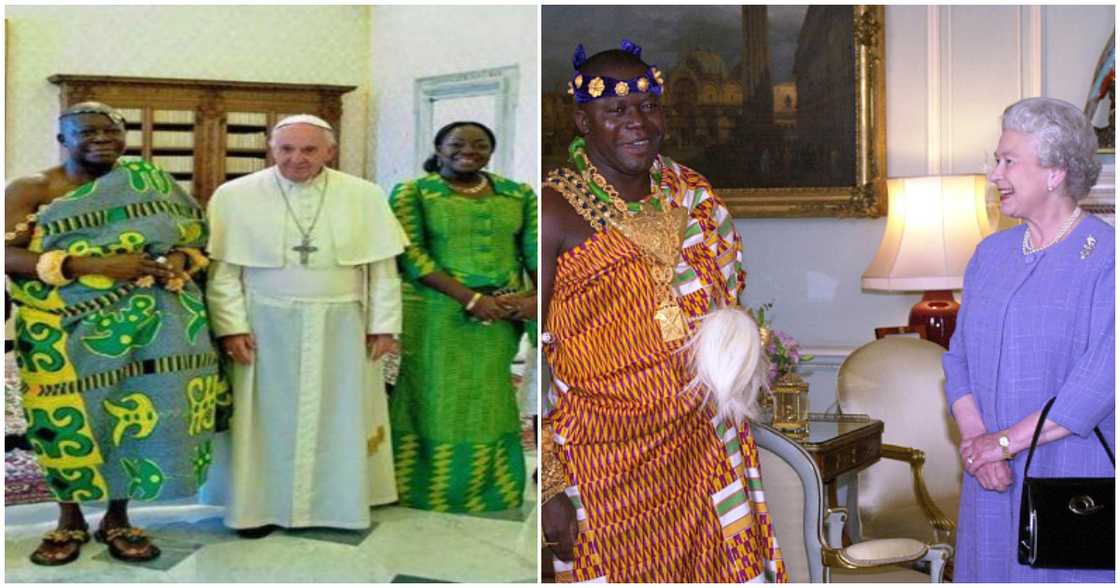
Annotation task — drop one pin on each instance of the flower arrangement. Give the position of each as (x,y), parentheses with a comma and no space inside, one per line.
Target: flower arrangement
(782,350)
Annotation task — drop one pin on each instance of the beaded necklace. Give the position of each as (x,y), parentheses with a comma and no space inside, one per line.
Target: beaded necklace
(602,189)
(656,230)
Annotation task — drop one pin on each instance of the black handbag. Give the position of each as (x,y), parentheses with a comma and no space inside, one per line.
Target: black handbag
(1067,522)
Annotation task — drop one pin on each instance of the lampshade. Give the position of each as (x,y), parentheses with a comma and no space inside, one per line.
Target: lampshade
(933,227)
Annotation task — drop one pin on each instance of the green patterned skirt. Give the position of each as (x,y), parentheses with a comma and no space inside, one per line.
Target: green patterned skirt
(456,428)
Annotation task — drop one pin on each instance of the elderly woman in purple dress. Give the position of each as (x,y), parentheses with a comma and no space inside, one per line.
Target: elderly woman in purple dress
(1036,322)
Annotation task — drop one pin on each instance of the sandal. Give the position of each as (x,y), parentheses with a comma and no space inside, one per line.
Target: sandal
(131,536)
(57,539)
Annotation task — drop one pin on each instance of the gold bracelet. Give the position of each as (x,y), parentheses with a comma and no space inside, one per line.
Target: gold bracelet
(49,268)
(553,479)
(474,300)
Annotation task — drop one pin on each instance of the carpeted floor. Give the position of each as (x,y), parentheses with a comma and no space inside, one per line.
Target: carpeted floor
(23,481)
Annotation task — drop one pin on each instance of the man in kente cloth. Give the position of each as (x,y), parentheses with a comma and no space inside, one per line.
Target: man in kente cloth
(119,376)
(641,482)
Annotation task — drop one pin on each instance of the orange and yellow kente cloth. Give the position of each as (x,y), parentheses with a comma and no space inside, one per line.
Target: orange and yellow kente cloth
(664,491)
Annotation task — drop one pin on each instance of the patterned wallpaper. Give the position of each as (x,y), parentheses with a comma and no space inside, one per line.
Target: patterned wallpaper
(296,44)
(422,41)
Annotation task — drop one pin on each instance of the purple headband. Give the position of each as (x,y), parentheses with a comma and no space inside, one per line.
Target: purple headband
(597,87)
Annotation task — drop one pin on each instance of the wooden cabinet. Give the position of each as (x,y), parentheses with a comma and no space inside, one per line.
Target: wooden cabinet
(203,132)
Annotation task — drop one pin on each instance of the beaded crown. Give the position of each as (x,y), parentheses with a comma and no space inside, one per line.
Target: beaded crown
(585,90)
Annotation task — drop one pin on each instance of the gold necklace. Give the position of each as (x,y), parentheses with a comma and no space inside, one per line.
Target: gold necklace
(481,185)
(657,234)
(595,180)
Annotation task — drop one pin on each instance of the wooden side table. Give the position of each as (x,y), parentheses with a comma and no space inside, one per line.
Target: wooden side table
(842,445)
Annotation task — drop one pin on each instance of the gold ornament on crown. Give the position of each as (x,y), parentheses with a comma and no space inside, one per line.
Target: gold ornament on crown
(595,87)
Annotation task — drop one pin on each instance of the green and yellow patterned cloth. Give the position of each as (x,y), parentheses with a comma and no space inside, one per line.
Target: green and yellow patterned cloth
(120,382)
(456,429)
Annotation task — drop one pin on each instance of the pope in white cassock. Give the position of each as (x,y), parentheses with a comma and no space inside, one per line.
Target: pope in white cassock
(304,297)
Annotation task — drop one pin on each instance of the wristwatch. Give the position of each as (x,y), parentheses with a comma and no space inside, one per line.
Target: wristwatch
(1005,445)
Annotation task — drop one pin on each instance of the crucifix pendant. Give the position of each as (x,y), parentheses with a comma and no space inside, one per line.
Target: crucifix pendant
(305,249)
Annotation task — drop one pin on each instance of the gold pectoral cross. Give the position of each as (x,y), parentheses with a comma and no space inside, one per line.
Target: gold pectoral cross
(305,249)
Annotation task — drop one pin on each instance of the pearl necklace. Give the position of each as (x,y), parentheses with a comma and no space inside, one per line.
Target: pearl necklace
(1028,249)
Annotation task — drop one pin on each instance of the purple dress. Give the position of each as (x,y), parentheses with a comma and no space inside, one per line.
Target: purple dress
(1032,327)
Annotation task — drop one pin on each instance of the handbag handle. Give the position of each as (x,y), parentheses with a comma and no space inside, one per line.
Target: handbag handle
(1038,432)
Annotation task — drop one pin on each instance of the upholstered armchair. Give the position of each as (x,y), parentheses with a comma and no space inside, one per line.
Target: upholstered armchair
(914,491)
(796,502)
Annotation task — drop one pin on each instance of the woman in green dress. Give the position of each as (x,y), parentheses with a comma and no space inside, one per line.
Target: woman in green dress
(456,430)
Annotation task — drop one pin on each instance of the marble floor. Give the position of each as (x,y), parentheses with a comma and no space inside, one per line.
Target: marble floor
(403,545)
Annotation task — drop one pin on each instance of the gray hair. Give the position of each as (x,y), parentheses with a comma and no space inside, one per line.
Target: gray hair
(1065,139)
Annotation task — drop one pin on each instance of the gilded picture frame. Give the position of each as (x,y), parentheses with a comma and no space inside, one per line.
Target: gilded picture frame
(853,186)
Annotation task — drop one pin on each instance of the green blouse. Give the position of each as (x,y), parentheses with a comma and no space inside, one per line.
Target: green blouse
(481,242)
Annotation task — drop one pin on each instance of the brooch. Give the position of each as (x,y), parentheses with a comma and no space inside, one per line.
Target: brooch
(1087,248)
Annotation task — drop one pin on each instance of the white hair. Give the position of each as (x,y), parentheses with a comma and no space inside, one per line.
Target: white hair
(1065,139)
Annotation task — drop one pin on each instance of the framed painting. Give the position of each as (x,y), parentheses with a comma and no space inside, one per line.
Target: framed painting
(781,107)
(1100,106)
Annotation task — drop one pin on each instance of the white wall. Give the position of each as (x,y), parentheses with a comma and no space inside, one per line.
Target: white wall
(951,70)
(422,41)
(295,44)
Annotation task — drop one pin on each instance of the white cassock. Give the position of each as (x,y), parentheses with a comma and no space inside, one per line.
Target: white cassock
(309,441)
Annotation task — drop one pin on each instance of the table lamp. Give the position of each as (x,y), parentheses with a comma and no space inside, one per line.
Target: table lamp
(933,226)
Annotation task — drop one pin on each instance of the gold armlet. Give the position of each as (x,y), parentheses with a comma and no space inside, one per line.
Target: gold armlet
(553,479)
(49,268)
